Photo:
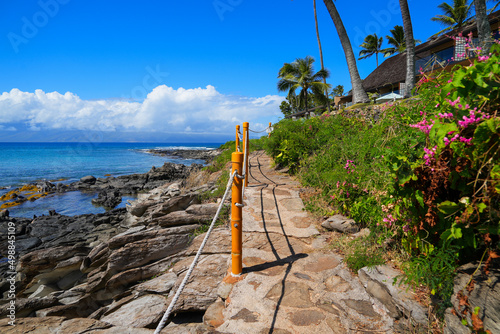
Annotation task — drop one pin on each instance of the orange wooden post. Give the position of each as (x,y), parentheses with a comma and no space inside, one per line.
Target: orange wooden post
(237,138)
(245,150)
(236,214)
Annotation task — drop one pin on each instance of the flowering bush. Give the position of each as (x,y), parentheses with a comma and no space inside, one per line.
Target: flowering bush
(426,173)
(452,193)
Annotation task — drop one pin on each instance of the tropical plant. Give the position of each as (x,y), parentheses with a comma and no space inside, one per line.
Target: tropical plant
(371,46)
(410,48)
(338,90)
(397,40)
(286,108)
(454,15)
(300,74)
(358,92)
(320,51)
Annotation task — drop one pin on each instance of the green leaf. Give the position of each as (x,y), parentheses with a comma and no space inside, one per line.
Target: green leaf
(495,172)
(419,197)
(480,82)
(457,78)
(481,207)
(456,232)
(448,207)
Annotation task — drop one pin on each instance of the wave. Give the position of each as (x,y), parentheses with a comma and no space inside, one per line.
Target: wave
(204,148)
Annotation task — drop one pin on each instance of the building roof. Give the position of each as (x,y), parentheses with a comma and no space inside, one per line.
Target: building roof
(393,70)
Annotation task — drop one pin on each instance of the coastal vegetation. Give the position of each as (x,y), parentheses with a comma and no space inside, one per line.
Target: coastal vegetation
(423,175)
(397,41)
(300,75)
(453,15)
(371,46)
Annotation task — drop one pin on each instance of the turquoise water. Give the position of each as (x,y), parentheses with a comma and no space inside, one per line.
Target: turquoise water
(22,163)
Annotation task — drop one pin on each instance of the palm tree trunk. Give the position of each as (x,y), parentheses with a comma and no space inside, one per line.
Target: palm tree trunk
(410,48)
(321,54)
(483,26)
(376,58)
(305,94)
(358,92)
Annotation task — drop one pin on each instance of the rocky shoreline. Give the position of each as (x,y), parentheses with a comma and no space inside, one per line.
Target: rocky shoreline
(110,189)
(206,155)
(97,266)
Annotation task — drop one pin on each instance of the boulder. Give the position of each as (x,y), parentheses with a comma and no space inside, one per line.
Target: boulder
(37,261)
(108,198)
(201,290)
(180,218)
(62,325)
(173,204)
(341,224)
(159,285)
(378,282)
(42,291)
(139,208)
(133,256)
(72,295)
(89,179)
(145,251)
(142,312)
(485,294)
(45,187)
(26,306)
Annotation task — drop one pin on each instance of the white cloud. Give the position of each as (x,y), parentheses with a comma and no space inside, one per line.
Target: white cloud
(10,128)
(198,110)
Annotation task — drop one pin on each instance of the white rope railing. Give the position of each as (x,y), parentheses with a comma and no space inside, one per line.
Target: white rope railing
(245,163)
(259,131)
(196,258)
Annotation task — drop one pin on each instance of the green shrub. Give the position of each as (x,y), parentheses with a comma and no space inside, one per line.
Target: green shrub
(435,191)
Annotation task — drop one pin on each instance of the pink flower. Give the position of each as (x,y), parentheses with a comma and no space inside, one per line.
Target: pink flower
(453,103)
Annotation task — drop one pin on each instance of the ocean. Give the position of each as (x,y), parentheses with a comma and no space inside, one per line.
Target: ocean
(23,163)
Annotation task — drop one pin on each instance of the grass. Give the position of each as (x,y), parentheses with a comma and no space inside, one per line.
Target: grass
(358,252)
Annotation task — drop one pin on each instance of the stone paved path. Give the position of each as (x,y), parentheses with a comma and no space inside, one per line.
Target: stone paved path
(292,282)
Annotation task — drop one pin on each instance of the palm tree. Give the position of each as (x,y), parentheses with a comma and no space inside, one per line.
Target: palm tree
(320,51)
(358,92)
(371,46)
(454,16)
(300,74)
(410,48)
(397,40)
(338,91)
(483,26)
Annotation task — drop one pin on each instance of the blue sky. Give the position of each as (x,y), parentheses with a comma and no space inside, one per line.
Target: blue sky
(184,67)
